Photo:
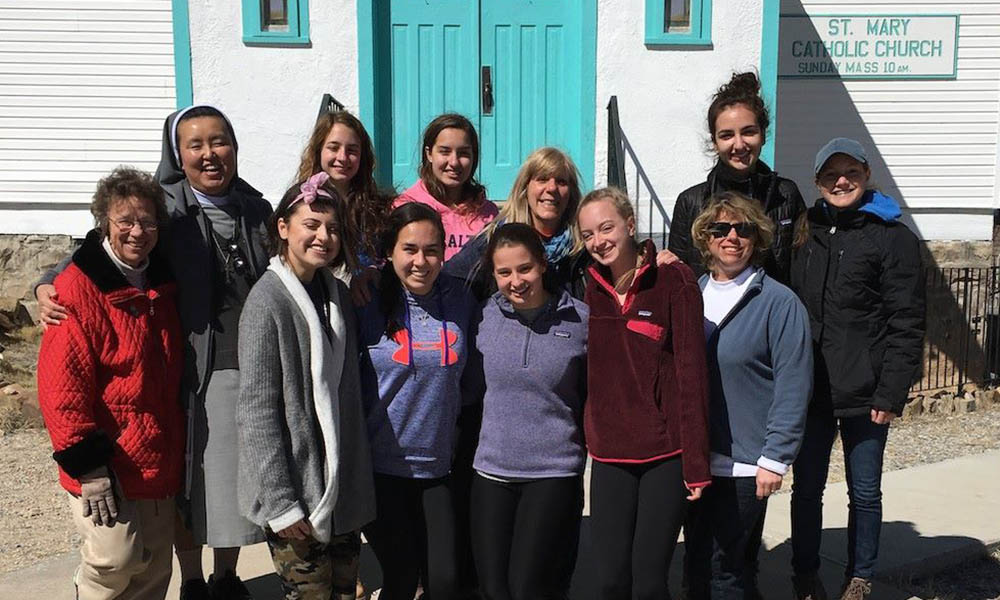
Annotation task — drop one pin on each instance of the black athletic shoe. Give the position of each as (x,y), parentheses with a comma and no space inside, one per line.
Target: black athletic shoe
(228,587)
(194,589)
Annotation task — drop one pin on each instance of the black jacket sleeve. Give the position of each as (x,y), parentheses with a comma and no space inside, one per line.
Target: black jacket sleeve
(902,286)
(686,209)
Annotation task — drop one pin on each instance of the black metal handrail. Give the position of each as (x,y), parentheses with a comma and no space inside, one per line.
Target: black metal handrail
(618,150)
(329,104)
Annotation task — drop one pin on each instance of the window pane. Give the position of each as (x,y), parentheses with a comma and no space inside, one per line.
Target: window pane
(676,15)
(274,15)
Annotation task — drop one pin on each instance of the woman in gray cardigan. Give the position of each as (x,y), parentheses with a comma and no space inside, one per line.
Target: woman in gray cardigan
(305,472)
(760,376)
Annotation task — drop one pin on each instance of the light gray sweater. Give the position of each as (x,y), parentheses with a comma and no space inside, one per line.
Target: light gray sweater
(286,425)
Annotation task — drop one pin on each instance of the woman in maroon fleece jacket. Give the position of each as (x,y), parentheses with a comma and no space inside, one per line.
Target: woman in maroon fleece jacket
(646,413)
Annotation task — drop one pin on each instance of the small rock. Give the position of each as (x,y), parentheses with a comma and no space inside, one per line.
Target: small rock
(12,390)
(914,408)
(965,404)
(930,405)
(28,312)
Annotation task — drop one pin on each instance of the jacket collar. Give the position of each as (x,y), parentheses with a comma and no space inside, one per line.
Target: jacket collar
(95,263)
(754,289)
(602,274)
(558,301)
(761,185)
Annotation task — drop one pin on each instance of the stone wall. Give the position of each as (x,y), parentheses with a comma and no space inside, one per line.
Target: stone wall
(24,257)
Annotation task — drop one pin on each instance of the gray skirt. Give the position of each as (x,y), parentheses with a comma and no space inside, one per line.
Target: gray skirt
(215,519)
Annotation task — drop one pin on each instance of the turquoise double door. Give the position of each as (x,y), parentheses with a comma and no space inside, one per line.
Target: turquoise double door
(521,70)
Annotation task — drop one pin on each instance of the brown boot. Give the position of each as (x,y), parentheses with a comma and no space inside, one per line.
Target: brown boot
(857,588)
(808,586)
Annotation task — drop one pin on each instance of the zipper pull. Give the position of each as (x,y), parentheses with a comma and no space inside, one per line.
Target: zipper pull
(833,229)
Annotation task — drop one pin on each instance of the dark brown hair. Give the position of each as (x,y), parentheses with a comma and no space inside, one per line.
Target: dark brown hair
(287,207)
(514,234)
(744,89)
(367,206)
(473,193)
(123,183)
(391,288)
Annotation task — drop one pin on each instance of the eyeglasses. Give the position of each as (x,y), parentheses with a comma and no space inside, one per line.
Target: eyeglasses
(721,229)
(128,224)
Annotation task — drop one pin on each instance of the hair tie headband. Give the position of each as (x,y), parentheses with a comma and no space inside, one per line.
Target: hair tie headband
(311,188)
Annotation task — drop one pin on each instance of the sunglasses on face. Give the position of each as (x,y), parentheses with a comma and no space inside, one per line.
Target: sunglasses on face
(721,229)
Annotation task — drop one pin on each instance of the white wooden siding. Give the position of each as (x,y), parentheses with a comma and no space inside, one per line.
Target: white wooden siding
(934,143)
(84,86)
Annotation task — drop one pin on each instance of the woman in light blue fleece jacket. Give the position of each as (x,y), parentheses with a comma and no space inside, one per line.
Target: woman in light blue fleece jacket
(417,331)
(527,494)
(760,373)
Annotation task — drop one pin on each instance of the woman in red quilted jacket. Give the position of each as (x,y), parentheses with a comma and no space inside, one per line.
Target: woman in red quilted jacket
(108,382)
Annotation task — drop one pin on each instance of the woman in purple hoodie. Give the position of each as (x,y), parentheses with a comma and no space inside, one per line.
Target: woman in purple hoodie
(527,493)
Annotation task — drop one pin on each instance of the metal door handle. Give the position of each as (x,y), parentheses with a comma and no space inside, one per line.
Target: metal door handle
(487,92)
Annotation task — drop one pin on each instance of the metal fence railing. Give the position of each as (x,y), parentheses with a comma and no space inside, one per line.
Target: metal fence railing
(962,345)
(652,218)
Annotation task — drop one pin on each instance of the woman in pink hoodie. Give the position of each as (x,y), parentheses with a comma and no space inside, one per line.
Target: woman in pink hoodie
(448,160)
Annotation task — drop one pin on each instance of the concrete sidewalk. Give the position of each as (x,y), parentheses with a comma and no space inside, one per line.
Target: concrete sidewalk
(935,516)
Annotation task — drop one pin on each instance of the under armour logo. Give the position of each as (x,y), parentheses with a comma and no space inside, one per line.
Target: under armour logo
(402,355)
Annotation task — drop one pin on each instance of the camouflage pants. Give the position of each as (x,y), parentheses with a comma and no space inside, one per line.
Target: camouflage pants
(312,570)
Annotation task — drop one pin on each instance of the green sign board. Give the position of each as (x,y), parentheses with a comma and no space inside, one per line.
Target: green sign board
(868,46)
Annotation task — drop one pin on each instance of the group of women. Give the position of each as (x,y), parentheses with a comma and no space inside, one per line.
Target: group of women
(434,373)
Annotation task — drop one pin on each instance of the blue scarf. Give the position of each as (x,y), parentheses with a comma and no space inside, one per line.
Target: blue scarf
(558,246)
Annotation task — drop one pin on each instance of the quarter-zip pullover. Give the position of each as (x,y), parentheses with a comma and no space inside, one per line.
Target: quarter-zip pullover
(760,372)
(647,376)
(534,374)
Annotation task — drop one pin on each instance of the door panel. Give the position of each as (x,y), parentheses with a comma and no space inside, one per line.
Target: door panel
(533,47)
(435,60)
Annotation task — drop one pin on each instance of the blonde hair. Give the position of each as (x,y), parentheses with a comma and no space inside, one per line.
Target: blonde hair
(740,207)
(544,162)
(618,200)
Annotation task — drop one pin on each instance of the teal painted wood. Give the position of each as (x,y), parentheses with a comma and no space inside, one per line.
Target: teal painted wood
(699,34)
(298,25)
(434,52)
(534,50)
(183,85)
(769,72)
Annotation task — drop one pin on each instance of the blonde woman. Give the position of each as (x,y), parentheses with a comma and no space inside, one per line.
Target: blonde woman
(545,196)
(760,361)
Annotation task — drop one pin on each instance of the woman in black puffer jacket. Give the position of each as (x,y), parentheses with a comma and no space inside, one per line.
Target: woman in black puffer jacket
(858,272)
(737,122)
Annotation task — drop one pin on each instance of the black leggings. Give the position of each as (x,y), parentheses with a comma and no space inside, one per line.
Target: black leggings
(414,531)
(636,511)
(521,532)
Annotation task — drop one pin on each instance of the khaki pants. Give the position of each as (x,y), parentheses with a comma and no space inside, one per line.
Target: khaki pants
(130,559)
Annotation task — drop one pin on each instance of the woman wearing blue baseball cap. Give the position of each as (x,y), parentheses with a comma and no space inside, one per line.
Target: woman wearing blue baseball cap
(857,269)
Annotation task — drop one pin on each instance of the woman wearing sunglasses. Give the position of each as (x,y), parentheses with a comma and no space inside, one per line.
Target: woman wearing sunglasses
(858,272)
(760,375)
